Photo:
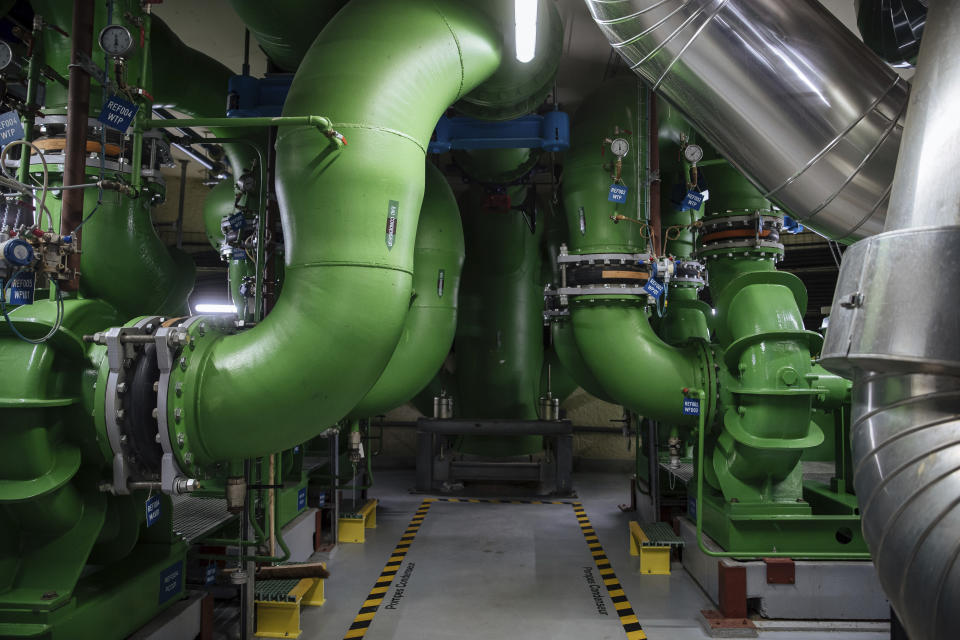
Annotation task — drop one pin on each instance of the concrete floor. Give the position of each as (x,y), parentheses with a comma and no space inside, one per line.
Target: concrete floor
(493,571)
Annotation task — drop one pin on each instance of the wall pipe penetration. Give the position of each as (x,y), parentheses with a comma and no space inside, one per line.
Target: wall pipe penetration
(906,366)
(783,91)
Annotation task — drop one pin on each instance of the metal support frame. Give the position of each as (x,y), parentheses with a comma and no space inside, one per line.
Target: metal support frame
(435,466)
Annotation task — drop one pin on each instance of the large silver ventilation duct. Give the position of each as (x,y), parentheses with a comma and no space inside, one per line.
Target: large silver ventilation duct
(783,90)
(894,330)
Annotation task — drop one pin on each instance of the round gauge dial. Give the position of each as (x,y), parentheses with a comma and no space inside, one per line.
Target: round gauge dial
(693,153)
(116,40)
(6,56)
(620,147)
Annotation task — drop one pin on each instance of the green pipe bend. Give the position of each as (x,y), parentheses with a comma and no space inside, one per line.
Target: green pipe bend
(432,319)
(347,286)
(635,367)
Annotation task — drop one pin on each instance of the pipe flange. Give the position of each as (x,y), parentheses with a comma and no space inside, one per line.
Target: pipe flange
(603,258)
(184,346)
(121,355)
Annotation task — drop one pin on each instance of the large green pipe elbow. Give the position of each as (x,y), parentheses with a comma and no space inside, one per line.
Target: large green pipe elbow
(517,88)
(568,353)
(285,29)
(348,283)
(432,319)
(634,366)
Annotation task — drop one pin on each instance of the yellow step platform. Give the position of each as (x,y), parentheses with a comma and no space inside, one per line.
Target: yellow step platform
(353,528)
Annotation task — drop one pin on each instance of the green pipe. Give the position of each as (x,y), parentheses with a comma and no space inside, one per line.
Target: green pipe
(613,111)
(285,29)
(347,285)
(499,344)
(432,319)
(120,235)
(634,366)
(324,124)
(517,88)
(34,65)
(567,351)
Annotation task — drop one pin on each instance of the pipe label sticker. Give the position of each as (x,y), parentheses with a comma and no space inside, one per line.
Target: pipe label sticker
(691,406)
(153,510)
(117,113)
(210,574)
(236,221)
(302,499)
(171,581)
(392,210)
(239,254)
(692,200)
(583,222)
(10,127)
(654,288)
(21,289)
(618,193)
(440,284)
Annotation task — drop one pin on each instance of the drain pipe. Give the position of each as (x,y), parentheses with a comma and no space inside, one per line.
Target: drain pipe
(906,365)
(348,283)
(783,90)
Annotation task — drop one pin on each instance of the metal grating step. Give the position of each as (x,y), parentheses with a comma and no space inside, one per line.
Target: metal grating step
(194,517)
(683,473)
(660,534)
(276,590)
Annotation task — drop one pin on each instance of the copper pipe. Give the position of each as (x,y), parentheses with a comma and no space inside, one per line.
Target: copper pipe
(78,109)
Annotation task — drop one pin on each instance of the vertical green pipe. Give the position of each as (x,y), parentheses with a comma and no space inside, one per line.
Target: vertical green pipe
(613,111)
(499,343)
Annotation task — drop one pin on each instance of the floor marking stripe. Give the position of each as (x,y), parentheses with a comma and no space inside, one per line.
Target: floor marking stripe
(628,619)
(371,604)
(626,614)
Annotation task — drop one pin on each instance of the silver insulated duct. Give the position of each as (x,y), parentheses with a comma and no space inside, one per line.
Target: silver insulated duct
(893,329)
(783,90)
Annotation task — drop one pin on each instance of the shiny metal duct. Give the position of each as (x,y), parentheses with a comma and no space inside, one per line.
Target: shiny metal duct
(894,330)
(783,90)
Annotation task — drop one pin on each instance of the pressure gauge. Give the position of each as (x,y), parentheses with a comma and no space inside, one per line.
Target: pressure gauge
(619,147)
(6,56)
(693,153)
(116,40)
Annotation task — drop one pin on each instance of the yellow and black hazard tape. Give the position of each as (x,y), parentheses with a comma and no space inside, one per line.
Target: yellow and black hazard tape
(629,620)
(372,604)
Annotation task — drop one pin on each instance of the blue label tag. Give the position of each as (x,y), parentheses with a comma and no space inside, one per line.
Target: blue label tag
(618,193)
(21,289)
(117,113)
(237,221)
(393,209)
(153,510)
(692,508)
(239,254)
(171,581)
(210,575)
(321,499)
(691,406)
(654,288)
(693,200)
(302,499)
(10,127)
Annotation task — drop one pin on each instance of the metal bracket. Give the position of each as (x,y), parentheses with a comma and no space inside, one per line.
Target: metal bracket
(90,68)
